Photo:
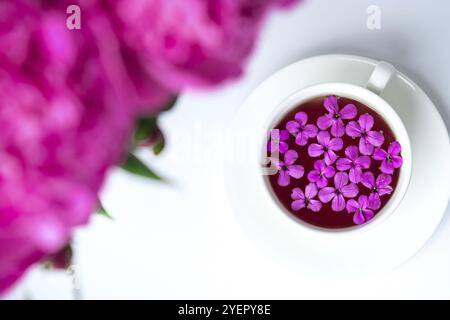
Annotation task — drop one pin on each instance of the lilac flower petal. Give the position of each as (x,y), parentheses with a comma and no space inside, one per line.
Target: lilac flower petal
(336,144)
(293,127)
(368,180)
(324,122)
(350,191)
(374,201)
(383,180)
(380,154)
(322,182)
(365,147)
(310,130)
(297,205)
(343,164)
(368,214)
(320,165)
(331,104)
(301,118)
(315,205)
(352,205)
(329,172)
(313,176)
(284,135)
(290,157)
(338,203)
(340,180)
(397,161)
(358,218)
(315,150)
(283,178)
(353,129)
(348,112)
(375,138)
(326,194)
(366,122)
(297,194)
(355,174)
(283,147)
(296,171)
(385,190)
(301,139)
(387,167)
(352,152)
(338,128)
(363,201)
(323,137)
(310,191)
(363,162)
(395,148)
(330,157)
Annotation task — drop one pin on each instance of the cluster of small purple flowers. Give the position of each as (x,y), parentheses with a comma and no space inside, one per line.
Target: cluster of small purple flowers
(348,172)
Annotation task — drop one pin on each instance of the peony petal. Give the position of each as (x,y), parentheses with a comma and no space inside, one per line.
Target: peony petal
(322,182)
(311,191)
(397,161)
(363,201)
(301,139)
(338,128)
(320,165)
(383,180)
(331,104)
(363,162)
(336,144)
(343,164)
(315,205)
(323,137)
(310,130)
(387,167)
(290,157)
(296,171)
(329,172)
(315,150)
(338,203)
(326,194)
(348,112)
(350,191)
(374,201)
(352,152)
(340,180)
(330,157)
(283,178)
(355,174)
(380,154)
(293,127)
(368,214)
(301,118)
(297,194)
(358,218)
(366,122)
(353,129)
(375,138)
(352,205)
(313,176)
(297,205)
(324,122)
(364,147)
(394,148)
(368,180)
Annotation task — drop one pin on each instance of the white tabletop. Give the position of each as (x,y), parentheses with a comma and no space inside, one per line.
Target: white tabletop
(181,240)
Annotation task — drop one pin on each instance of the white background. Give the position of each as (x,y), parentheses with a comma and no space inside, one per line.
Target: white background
(181,240)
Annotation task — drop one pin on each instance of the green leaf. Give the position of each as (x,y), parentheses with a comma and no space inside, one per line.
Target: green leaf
(158,147)
(145,128)
(135,166)
(102,211)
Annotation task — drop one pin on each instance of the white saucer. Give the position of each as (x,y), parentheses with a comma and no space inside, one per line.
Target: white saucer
(378,249)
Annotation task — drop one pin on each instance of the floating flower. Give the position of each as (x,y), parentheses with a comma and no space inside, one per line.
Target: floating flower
(277,141)
(360,210)
(335,116)
(300,129)
(321,173)
(378,187)
(326,146)
(391,159)
(305,200)
(354,163)
(362,129)
(288,169)
(342,189)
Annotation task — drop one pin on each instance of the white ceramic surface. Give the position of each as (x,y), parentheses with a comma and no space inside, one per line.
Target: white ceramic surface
(381,248)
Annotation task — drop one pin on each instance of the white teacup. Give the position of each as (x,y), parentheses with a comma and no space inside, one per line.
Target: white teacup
(369,96)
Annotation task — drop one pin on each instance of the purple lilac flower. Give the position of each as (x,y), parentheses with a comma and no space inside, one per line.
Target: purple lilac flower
(378,188)
(326,146)
(305,200)
(391,159)
(335,116)
(360,210)
(341,189)
(321,173)
(288,169)
(362,129)
(300,129)
(354,163)
(277,141)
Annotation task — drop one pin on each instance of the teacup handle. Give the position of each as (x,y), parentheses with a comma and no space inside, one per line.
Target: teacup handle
(380,77)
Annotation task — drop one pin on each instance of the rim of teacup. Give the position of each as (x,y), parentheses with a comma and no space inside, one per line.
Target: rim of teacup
(378,105)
